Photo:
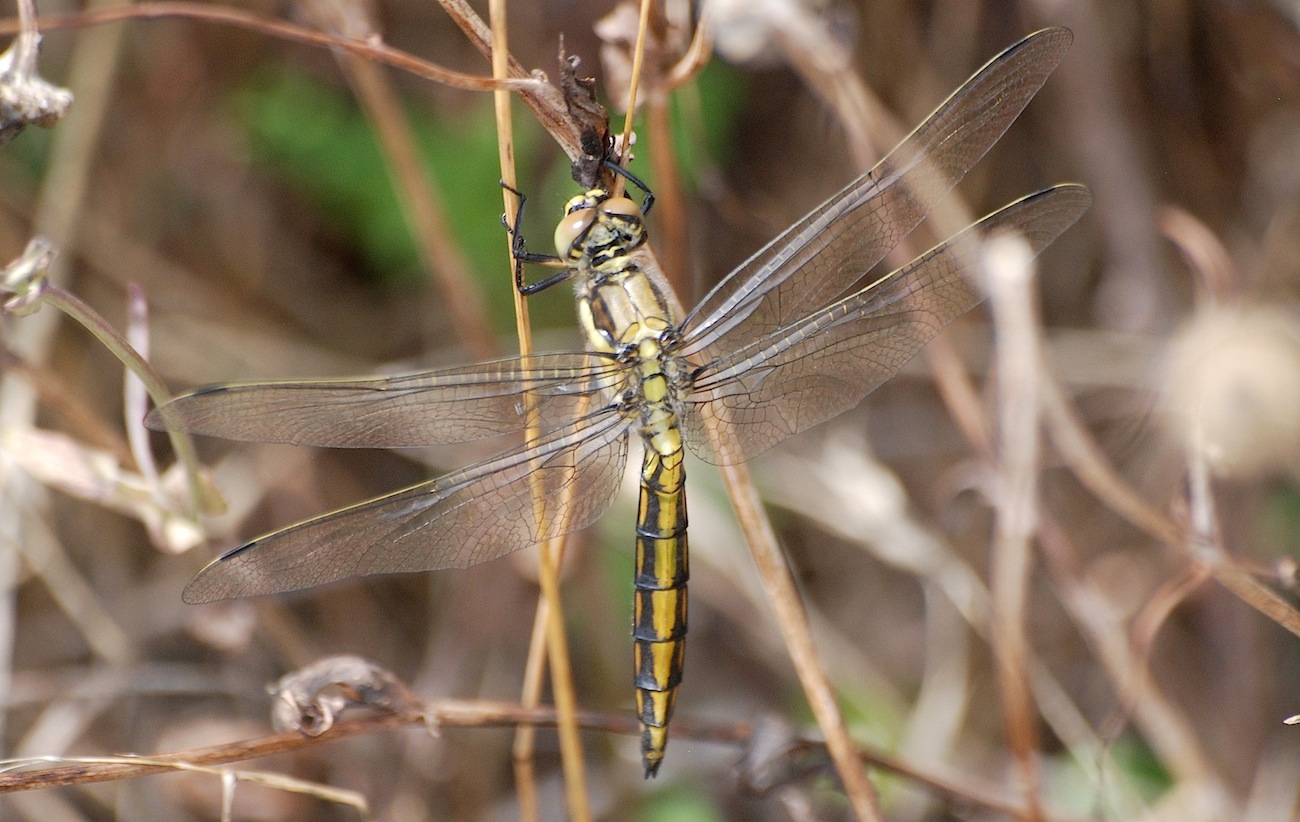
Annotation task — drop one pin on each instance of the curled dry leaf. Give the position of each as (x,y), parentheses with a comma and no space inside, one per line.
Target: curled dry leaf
(25,98)
(23,281)
(310,699)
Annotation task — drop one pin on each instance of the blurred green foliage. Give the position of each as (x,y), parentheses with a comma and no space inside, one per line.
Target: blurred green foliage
(1138,770)
(318,142)
(678,803)
(1280,528)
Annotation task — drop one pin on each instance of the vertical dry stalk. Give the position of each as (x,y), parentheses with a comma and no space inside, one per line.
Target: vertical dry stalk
(94,64)
(521,751)
(674,240)
(549,611)
(797,633)
(1008,263)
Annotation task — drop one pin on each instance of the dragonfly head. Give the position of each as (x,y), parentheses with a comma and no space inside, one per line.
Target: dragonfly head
(621,214)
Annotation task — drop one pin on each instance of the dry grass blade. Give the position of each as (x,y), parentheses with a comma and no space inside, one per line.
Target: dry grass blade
(551,640)
(1087,462)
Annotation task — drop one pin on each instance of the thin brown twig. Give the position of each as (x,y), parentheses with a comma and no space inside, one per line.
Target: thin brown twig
(28,774)
(1161,722)
(1154,614)
(1090,466)
(543,98)
(797,633)
(959,395)
(674,239)
(1257,595)
(56,395)
(697,56)
(371,49)
(1220,284)
(201,498)
(638,66)
(1203,252)
(524,747)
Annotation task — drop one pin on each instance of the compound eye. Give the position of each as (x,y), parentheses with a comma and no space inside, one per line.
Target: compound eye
(571,229)
(621,207)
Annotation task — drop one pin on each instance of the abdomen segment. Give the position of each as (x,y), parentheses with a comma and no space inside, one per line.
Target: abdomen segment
(659,608)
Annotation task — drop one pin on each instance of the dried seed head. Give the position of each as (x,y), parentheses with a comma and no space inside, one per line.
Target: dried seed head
(1232,386)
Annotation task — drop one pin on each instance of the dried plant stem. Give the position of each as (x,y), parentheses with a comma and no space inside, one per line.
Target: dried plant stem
(694,60)
(959,395)
(551,551)
(153,384)
(56,395)
(373,50)
(1221,284)
(1087,462)
(62,200)
(27,774)
(1162,724)
(797,633)
(575,782)
(526,735)
(634,84)
(544,99)
(1009,265)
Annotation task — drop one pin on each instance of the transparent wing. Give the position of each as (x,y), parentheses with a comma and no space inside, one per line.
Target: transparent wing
(818,258)
(827,362)
(470,516)
(431,408)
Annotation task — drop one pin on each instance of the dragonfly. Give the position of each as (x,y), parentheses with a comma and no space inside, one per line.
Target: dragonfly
(788,340)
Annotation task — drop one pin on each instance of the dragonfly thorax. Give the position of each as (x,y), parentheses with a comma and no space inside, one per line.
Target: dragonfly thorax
(623,298)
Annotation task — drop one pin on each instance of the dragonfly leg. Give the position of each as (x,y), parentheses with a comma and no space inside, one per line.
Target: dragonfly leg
(523,256)
(648,201)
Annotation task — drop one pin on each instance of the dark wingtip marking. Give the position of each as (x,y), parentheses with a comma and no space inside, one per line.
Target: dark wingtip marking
(238,549)
(198,592)
(652,768)
(208,389)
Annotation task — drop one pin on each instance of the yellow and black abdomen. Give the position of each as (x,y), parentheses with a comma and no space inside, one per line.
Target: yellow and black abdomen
(626,308)
(659,610)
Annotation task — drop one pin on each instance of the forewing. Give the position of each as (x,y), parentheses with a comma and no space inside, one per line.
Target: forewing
(469,516)
(818,258)
(826,363)
(431,408)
